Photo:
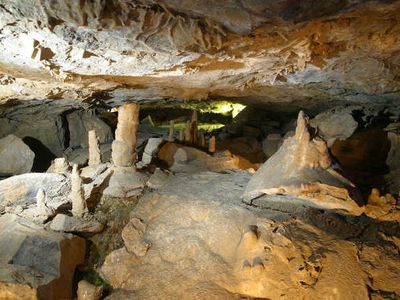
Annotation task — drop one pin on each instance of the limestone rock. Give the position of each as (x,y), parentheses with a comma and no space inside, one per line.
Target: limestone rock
(33,123)
(79,207)
(124,145)
(222,161)
(22,189)
(207,245)
(133,236)
(158,179)
(337,124)
(303,167)
(36,264)
(66,223)
(81,122)
(59,165)
(16,157)
(151,149)
(271,143)
(87,291)
(94,150)
(125,182)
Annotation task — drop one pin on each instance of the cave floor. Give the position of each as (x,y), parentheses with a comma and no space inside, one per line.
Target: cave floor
(192,237)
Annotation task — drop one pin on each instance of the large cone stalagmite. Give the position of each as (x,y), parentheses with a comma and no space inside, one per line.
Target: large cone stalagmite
(303,168)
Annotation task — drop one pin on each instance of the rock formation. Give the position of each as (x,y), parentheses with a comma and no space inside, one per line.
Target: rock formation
(87,291)
(76,195)
(16,157)
(24,188)
(212,144)
(151,150)
(271,143)
(124,145)
(171,131)
(212,247)
(303,168)
(94,150)
(41,207)
(36,263)
(59,165)
(335,124)
(393,161)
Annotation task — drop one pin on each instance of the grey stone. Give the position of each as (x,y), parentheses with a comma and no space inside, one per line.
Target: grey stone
(16,156)
(35,263)
(66,223)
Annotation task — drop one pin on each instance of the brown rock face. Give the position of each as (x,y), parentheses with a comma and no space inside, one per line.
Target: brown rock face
(303,168)
(124,145)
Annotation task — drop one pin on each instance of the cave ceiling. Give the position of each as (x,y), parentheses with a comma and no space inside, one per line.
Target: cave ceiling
(285,52)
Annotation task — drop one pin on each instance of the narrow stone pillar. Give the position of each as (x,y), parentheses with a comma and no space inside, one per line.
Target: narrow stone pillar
(76,196)
(188,136)
(181,135)
(211,144)
(193,128)
(171,131)
(124,145)
(94,150)
(202,138)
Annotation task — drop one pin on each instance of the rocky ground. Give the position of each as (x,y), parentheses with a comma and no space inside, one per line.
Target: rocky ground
(194,238)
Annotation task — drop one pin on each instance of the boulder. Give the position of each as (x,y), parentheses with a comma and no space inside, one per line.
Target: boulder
(74,224)
(271,143)
(303,168)
(22,189)
(87,291)
(150,150)
(336,124)
(16,156)
(125,182)
(35,263)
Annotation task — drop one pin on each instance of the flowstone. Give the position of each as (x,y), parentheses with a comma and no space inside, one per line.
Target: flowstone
(303,168)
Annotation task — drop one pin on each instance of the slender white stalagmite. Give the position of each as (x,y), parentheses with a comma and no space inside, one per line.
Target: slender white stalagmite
(211,144)
(171,131)
(76,196)
(124,145)
(94,150)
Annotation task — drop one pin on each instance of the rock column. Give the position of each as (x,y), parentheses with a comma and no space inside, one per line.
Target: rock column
(124,145)
(94,150)
(76,196)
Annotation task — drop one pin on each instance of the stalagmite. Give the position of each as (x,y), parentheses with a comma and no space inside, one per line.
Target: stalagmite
(193,128)
(188,137)
(76,196)
(171,131)
(124,145)
(181,135)
(41,207)
(211,144)
(202,141)
(94,150)
(303,168)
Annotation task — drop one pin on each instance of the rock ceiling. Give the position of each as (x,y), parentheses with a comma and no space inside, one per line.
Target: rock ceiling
(307,52)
